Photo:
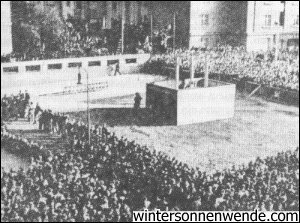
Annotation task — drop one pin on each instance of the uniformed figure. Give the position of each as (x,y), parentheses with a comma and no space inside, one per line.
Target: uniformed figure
(137,101)
(79,76)
(117,70)
(137,104)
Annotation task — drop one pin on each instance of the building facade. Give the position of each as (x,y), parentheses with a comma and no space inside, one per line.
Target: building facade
(258,25)
(216,22)
(6,31)
(272,24)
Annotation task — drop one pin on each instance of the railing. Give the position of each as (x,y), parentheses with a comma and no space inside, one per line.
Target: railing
(277,94)
(128,64)
(81,89)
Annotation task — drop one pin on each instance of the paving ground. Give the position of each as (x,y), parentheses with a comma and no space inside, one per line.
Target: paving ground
(259,128)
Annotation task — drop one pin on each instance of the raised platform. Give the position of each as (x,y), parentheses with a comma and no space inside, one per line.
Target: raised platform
(172,106)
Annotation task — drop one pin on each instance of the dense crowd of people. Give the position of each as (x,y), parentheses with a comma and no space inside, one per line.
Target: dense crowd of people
(108,178)
(79,40)
(15,106)
(258,67)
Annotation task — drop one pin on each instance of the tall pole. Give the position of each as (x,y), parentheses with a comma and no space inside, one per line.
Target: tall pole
(177,71)
(277,41)
(206,71)
(192,68)
(174,30)
(151,27)
(122,26)
(88,107)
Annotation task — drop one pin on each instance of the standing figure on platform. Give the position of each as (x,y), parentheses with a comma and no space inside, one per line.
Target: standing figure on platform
(79,76)
(137,104)
(36,112)
(117,69)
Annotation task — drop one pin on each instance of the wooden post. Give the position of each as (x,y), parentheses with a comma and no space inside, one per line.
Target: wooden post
(88,107)
(151,28)
(122,26)
(206,71)
(192,68)
(177,71)
(174,31)
(277,42)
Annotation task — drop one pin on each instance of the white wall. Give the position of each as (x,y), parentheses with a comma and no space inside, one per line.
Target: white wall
(124,66)
(205,104)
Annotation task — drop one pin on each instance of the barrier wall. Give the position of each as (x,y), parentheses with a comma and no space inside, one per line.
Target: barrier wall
(197,105)
(191,105)
(130,63)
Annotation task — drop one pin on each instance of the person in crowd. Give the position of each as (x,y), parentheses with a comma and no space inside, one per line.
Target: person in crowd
(36,112)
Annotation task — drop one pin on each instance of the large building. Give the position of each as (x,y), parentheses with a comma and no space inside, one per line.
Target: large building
(217,22)
(272,22)
(6,35)
(259,25)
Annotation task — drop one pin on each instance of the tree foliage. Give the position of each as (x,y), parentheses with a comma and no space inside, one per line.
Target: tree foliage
(36,29)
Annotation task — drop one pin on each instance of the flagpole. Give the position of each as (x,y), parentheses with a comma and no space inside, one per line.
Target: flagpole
(88,107)
(122,26)
(174,30)
(206,74)
(151,27)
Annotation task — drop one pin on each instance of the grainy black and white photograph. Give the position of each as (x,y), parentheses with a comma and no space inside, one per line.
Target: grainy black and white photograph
(121,111)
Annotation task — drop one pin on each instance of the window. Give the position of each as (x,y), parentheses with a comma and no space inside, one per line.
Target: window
(127,12)
(281,19)
(79,5)
(94,13)
(204,19)
(104,6)
(296,21)
(133,60)
(110,62)
(114,5)
(10,69)
(75,64)
(94,63)
(145,18)
(33,68)
(268,20)
(104,22)
(68,3)
(54,66)
(50,3)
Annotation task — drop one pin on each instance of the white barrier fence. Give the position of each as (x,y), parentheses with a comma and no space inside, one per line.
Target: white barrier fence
(129,63)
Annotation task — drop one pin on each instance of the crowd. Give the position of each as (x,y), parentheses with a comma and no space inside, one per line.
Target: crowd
(259,67)
(79,40)
(107,179)
(15,106)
